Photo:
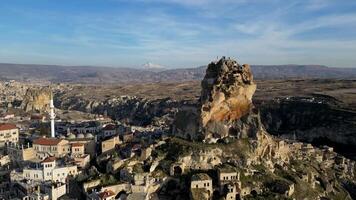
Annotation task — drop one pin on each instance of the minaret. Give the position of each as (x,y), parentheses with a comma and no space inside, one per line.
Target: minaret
(52,116)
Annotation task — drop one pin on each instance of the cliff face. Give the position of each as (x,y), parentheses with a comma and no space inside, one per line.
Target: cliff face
(132,110)
(36,99)
(317,122)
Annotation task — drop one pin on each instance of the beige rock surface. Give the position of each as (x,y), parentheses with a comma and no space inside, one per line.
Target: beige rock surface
(227,91)
(36,99)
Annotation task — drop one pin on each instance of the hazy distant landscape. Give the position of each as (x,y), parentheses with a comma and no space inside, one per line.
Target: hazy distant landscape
(98,74)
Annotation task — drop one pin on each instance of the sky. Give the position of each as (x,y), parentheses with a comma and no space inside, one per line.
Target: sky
(178,33)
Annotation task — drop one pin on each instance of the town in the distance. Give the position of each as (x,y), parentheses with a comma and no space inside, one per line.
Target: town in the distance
(216,147)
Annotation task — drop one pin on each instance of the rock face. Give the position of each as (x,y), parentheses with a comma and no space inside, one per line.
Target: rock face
(225,105)
(36,99)
(129,109)
(227,90)
(186,123)
(226,97)
(317,122)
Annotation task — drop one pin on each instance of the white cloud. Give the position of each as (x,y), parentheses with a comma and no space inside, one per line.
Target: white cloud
(314,5)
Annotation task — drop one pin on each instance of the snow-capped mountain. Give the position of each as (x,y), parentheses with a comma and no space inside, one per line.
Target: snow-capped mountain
(153,67)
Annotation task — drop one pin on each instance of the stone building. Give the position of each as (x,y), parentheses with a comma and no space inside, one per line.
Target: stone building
(79,156)
(202,181)
(228,177)
(4,160)
(110,144)
(39,190)
(82,161)
(145,153)
(8,133)
(108,131)
(45,147)
(28,190)
(54,190)
(203,159)
(49,170)
(92,127)
(77,149)
(89,143)
(231,191)
(20,154)
(127,137)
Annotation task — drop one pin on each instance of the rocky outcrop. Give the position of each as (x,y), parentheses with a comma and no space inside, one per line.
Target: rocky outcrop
(11,93)
(36,99)
(225,106)
(226,97)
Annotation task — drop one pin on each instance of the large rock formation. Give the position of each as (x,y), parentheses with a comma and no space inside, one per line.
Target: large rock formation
(226,97)
(36,99)
(225,107)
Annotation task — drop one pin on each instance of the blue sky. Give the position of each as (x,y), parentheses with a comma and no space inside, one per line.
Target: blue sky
(178,33)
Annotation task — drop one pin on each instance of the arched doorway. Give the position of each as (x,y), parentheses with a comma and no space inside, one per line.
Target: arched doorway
(121,195)
(238,197)
(188,137)
(216,194)
(177,171)
(254,193)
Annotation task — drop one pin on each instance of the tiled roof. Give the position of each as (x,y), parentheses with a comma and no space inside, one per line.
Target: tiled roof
(48,159)
(4,127)
(106,194)
(47,141)
(77,144)
(109,127)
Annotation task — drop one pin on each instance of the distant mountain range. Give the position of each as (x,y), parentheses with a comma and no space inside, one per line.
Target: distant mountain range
(96,74)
